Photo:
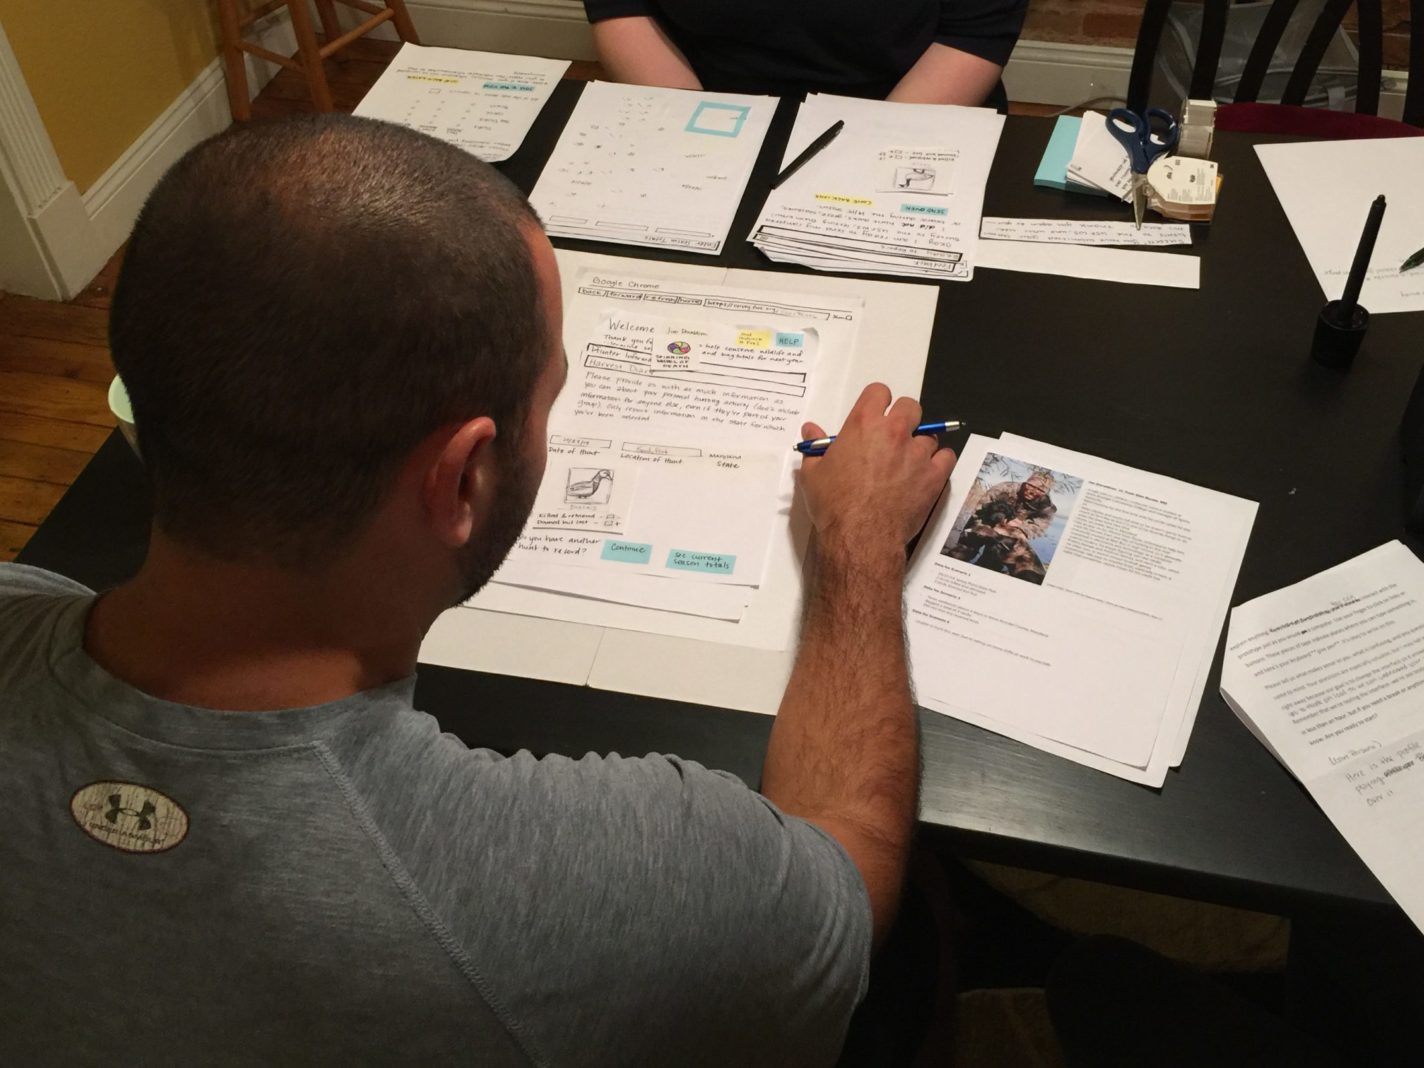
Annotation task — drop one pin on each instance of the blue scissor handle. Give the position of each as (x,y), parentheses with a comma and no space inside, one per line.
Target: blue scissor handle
(1143,143)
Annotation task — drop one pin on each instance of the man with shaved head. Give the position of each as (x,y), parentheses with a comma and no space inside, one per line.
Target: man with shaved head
(230,838)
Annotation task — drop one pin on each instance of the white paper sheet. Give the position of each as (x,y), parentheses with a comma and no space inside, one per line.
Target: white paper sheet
(1099,159)
(646,166)
(484,102)
(1329,673)
(1085,261)
(694,660)
(1108,651)
(1084,231)
(1326,188)
(899,191)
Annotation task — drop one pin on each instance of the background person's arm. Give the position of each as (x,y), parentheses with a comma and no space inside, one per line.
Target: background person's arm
(844,751)
(636,50)
(945,75)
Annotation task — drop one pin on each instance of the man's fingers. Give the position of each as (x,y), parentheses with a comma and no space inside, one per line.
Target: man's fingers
(944,462)
(812,431)
(873,401)
(905,412)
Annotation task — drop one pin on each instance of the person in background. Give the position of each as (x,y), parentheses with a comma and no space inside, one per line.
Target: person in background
(914,51)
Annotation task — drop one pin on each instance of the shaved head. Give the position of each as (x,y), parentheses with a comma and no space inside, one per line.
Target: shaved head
(300,305)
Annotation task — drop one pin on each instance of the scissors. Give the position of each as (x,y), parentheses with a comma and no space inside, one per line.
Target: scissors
(1144,144)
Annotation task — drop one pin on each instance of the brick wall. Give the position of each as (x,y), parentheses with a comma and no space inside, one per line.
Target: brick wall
(1115,22)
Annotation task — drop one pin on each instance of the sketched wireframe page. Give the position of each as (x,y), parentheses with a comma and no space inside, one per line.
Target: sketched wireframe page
(484,102)
(646,166)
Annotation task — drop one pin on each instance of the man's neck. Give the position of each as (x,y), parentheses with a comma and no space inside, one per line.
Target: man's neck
(243,636)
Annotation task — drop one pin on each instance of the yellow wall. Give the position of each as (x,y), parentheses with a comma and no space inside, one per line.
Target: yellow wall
(102,70)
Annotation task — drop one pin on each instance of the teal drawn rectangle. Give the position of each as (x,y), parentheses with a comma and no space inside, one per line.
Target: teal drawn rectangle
(509,85)
(922,209)
(708,563)
(706,114)
(789,340)
(627,552)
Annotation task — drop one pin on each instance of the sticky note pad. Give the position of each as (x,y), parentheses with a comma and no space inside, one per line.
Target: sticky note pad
(1053,168)
(711,563)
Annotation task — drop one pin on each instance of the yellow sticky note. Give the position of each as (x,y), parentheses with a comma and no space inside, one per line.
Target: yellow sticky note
(754,339)
(837,198)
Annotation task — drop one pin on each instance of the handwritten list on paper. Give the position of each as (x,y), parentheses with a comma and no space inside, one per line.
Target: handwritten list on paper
(1329,674)
(1084,231)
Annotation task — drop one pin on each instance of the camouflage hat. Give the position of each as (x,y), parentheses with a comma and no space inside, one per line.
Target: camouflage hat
(1042,479)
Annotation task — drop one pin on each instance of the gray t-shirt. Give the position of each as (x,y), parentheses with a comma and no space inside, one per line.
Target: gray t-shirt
(345,883)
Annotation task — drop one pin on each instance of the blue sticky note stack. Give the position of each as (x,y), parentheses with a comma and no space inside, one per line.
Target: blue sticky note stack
(1053,168)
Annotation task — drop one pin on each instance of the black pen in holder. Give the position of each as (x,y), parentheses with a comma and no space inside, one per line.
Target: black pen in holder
(1342,323)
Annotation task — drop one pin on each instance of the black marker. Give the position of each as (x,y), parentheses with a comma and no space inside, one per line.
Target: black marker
(811,150)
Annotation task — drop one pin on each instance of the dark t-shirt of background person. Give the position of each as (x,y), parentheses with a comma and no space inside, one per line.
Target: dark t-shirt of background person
(849,47)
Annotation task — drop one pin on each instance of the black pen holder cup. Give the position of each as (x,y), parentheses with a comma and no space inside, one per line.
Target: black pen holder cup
(1338,335)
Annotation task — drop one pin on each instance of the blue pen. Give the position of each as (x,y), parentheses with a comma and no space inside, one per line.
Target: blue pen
(817,446)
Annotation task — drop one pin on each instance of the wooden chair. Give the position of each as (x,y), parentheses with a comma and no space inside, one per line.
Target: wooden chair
(310,54)
(1371,32)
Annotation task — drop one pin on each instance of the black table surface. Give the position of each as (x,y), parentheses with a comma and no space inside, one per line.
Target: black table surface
(1213,386)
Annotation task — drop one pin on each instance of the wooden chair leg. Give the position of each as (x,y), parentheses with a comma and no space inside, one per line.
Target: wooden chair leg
(400,17)
(310,53)
(233,62)
(330,25)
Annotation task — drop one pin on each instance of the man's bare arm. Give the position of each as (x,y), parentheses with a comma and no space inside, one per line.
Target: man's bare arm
(945,75)
(844,752)
(636,50)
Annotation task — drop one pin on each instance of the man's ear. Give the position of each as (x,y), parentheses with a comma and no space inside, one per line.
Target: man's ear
(461,481)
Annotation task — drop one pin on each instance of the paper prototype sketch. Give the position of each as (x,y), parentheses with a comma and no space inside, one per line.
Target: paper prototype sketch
(729,662)
(484,102)
(898,192)
(641,165)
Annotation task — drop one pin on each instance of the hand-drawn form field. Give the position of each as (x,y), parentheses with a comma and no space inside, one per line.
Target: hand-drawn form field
(636,362)
(717,119)
(588,485)
(915,179)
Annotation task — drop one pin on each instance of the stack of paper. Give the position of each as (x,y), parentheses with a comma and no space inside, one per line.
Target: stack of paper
(601,621)
(484,102)
(647,166)
(1073,603)
(670,447)
(1329,675)
(899,191)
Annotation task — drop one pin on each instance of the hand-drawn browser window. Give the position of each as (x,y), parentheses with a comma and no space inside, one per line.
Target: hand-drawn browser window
(646,166)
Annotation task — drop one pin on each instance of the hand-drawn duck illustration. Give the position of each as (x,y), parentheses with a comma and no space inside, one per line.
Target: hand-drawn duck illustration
(588,487)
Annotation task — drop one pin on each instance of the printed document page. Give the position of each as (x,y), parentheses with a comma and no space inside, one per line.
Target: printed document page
(1329,674)
(900,190)
(1326,188)
(484,102)
(647,166)
(1093,587)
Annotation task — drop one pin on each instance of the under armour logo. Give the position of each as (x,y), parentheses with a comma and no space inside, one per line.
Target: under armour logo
(116,809)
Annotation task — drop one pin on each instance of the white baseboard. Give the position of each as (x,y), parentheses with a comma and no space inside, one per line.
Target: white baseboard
(200,111)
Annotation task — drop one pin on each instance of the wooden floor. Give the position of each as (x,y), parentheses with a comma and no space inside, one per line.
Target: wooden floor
(54,357)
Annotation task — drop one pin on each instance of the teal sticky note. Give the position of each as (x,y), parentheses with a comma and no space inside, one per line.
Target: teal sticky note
(789,341)
(627,552)
(923,209)
(1053,168)
(710,563)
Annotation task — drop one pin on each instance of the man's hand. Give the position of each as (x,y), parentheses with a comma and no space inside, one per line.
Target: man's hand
(877,481)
